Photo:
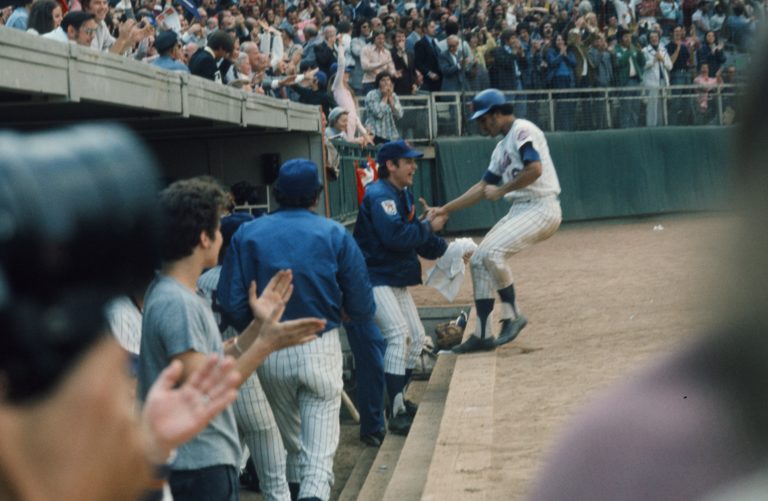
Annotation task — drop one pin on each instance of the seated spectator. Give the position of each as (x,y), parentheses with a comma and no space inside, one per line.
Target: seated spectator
(382,108)
(44,17)
(169,52)
(374,60)
(206,61)
(20,16)
(337,127)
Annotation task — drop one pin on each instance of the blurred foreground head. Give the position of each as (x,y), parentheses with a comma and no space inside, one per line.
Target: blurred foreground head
(78,224)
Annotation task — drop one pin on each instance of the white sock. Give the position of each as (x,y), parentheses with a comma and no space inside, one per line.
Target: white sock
(398,406)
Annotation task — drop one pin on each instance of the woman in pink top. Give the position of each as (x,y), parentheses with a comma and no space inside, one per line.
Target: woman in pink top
(345,98)
(704,95)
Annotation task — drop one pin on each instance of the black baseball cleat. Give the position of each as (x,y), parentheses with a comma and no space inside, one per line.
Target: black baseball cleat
(400,424)
(374,439)
(473,344)
(410,408)
(510,329)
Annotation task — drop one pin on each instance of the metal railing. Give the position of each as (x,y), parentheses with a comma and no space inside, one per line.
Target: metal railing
(429,116)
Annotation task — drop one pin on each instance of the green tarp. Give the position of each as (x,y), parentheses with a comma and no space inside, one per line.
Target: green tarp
(603,174)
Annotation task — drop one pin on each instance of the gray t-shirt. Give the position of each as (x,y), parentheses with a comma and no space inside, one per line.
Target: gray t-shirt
(176,320)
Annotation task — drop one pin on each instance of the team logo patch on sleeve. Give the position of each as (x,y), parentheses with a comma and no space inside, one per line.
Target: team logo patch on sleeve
(390,208)
(523,135)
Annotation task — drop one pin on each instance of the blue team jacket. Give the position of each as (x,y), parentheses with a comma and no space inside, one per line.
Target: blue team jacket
(391,236)
(328,268)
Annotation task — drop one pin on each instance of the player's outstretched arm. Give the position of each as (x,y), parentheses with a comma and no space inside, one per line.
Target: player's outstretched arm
(469,198)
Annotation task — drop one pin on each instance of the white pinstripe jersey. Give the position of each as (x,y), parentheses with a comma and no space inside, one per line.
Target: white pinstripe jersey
(506,161)
(125,322)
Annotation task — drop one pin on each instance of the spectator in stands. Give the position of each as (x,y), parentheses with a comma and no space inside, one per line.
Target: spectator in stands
(325,51)
(682,61)
(130,31)
(655,75)
(359,41)
(187,51)
(20,16)
(337,127)
(206,62)
(382,108)
(508,59)
(426,55)
(561,62)
(629,61)
(600,58)
(706,114)
(80,27)
(453,66)
(360,9)
(740,29)
(452,28)
(44,17)
(711,52)
(700,19)
(478,74)
(317,91)
(374,60)
(169,52)
(405,68)
(345,97)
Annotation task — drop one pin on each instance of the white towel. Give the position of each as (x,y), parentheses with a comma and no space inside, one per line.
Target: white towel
(448,273)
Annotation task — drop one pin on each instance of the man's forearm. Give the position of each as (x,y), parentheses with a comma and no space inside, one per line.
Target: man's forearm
(467,199)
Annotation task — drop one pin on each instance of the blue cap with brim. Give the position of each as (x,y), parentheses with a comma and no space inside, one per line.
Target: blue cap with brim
(298,178)
(396,149)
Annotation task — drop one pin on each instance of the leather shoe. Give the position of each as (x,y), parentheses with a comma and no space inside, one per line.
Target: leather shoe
(510,329)
(400,424)
(474,343)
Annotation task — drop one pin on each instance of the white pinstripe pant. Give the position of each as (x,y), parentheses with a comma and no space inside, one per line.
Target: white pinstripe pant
(526,223)
(260,433)
(303,384)
(399,321)
(258,430)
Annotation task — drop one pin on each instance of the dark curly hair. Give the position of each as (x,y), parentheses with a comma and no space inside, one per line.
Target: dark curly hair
(189,207)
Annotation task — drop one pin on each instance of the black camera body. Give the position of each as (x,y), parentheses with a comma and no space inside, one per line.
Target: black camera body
(78,225)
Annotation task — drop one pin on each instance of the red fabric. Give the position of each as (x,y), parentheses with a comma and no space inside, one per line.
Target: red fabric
(365,176)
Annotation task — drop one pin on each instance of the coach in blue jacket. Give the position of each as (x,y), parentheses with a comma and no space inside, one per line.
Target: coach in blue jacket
(391,238)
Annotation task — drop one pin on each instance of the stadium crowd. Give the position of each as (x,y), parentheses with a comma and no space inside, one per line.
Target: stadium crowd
(299,49)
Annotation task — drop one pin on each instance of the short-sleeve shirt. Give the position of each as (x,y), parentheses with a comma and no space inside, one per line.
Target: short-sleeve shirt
(507,163)
(177,320)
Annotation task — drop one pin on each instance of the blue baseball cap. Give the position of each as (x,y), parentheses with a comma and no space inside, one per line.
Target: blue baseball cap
(298,178)
(321,78)
(396,149)
(348,69)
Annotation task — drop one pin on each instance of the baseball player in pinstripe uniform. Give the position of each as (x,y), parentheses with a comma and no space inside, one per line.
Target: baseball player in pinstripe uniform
(392,238)
(303,384)
(521,171)
(255,421)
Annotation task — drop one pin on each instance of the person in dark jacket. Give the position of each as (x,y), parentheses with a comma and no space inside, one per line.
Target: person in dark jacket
(204,62)
(426,55)
(392,238)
